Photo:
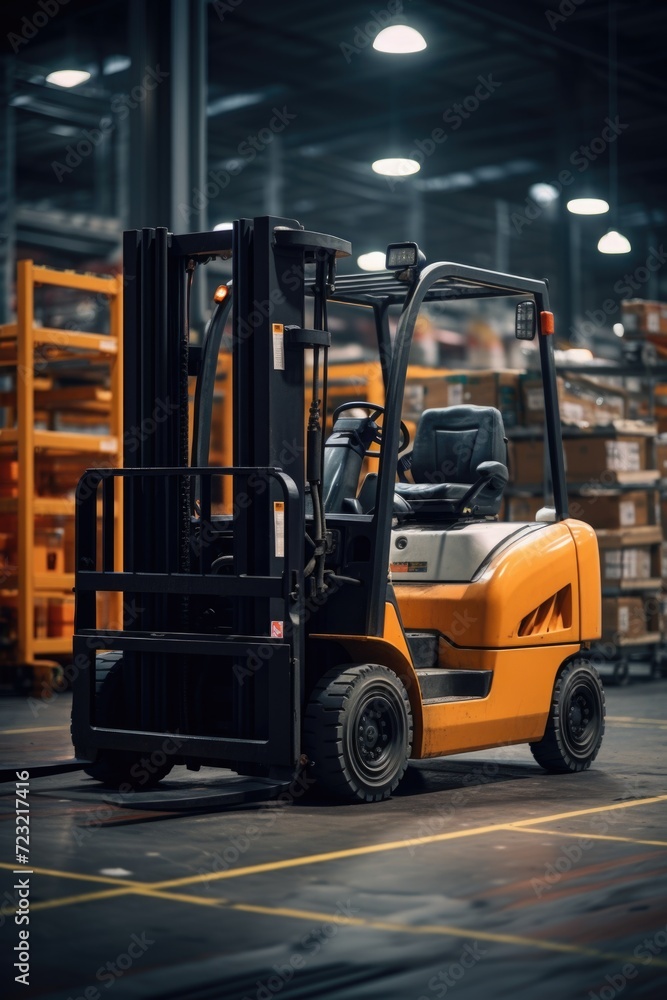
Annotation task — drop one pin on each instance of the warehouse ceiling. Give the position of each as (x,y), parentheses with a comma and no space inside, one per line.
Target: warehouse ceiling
(504,96)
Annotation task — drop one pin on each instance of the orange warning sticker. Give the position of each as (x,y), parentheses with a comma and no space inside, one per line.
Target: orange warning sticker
(279,528)
(278,334)
(276,630)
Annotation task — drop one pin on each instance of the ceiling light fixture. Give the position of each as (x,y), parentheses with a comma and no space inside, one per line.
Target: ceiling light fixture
(613,242)
(542,193)
(588,206)
(373,261)
(399,39)
(68,77)
(396,166)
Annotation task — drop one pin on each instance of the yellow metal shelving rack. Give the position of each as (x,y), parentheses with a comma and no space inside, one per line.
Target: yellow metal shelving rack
(26,350)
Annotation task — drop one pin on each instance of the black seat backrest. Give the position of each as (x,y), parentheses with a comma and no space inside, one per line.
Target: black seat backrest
(452,442)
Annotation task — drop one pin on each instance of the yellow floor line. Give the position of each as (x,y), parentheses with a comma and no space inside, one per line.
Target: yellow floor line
(589,836)
(637,725)
(444,930)
(55,873)
(88,897)
(179,897)
(36,729)
(632,718)
(352,852)
(154,888)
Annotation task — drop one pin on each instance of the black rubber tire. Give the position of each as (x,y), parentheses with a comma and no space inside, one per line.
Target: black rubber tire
(120,769)
(357,732)
(576,721)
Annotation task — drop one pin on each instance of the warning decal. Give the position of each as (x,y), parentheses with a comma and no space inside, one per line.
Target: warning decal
(276,630)
(279,528)
(409,567)
(278,332)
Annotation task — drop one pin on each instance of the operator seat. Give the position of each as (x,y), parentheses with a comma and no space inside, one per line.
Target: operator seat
(459,463)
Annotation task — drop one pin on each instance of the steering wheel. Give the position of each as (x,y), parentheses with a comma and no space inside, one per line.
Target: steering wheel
(374,411)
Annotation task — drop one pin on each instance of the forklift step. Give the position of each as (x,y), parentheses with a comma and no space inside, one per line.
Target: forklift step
(424,648)
(442,684)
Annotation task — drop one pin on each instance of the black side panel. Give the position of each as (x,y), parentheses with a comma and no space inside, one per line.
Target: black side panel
(424,648)
(439,683)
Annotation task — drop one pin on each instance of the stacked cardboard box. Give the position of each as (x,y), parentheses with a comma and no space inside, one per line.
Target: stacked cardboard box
(640,317)
(479,388)
(619,455)
(630,619)
(583,402)
(612,485)
(630,558)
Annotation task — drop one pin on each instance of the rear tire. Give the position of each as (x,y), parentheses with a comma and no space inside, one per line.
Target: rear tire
(576,721)
(133,770)
(358,732)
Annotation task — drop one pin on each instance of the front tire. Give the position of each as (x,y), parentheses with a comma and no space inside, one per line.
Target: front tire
(576,721)
(120,769)
(358,732)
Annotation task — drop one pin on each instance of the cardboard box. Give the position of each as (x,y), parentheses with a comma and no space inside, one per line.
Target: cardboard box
(642,316)
(590,457)
(630,557)
(526,462)
(623,617)
(614,510)
(660,456)
(453,388)
(583,402)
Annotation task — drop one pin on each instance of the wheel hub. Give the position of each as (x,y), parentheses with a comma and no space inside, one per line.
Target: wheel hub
(373,733)
(579,716)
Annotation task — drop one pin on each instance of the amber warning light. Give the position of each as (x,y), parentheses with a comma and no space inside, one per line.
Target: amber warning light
(221,293)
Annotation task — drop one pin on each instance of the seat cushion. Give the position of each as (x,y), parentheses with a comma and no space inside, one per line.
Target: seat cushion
(431,491)
(452,442)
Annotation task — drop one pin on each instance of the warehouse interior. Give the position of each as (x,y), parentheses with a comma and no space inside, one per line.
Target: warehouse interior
(298,238)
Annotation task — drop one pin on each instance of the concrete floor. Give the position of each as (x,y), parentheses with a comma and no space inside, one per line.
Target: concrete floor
(484,877)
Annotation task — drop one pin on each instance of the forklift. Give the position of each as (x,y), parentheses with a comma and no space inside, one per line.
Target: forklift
(336,622)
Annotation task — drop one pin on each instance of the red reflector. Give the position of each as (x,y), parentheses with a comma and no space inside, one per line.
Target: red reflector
(547,325)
